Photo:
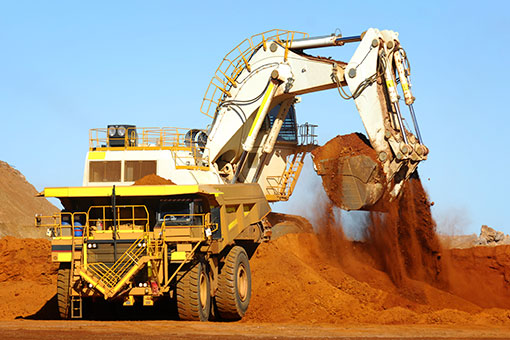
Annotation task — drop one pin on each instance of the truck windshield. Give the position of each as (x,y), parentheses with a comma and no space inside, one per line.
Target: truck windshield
(180,212)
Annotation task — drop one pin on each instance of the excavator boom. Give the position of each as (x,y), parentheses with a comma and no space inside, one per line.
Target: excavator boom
(256,100)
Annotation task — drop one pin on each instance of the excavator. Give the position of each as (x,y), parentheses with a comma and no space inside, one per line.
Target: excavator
(189,238)
(251,136)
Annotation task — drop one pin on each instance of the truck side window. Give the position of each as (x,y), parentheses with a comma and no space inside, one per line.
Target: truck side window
(216,218)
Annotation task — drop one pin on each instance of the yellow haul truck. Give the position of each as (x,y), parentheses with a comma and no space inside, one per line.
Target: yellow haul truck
(141,243)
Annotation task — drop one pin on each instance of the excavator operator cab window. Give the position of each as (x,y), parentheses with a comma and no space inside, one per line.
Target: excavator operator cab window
(180,212)
(289,130)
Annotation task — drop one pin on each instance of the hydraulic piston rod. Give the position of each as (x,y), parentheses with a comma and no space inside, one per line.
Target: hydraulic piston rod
(324,41)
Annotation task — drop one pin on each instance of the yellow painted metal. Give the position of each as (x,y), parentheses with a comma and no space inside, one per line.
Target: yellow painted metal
(129,301)
(109,280)
(232,81)
(267,95)
(90,280)
(178,256)
(137,190)
(136,221)
(97,155)
(54,222)
(188,257)
(246,64)
(236,61)
(232,224)
(147,300)
(144,138)
(64,256)
(283,186)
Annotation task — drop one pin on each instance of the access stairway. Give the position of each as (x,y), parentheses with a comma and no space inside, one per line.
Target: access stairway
(110,280)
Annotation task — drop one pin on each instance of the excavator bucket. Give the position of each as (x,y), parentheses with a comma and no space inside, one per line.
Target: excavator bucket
(351,175)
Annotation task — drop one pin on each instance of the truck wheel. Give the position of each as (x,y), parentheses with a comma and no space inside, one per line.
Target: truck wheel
(63,298)
(193,294)
(234,285)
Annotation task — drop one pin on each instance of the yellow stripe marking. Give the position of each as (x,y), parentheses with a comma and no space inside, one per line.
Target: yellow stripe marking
(97,155)
(232,224)
(261,108)
(137,190)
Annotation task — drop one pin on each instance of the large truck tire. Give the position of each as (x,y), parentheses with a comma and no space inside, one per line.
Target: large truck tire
(194,294)
(63,298)
(234,285)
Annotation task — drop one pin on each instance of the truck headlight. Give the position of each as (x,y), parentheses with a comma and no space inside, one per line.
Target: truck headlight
(111,131)
(121,131)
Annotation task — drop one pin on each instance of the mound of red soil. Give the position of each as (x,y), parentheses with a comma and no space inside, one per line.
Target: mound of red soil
(19,204)
(153,179)
(27,276)
(481,275)
(299,279)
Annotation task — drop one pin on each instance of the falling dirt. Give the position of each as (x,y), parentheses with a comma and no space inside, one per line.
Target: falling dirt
(153,179)
(403,240)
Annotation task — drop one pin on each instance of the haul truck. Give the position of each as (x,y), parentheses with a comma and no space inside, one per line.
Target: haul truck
(142,243)
(190,240)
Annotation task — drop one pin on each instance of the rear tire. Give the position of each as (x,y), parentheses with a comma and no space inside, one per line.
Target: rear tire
(234,285)
(63,298)
(194,294)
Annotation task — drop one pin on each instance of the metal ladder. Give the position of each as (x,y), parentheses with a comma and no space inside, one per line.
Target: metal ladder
(287,181)
(75,301)
(76,307)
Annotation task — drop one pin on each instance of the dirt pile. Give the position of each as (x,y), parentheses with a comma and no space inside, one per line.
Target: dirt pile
(27,276)
(19,204)
(153,179)
(299,279)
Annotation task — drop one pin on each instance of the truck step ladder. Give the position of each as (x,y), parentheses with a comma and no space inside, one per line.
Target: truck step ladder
(76,307)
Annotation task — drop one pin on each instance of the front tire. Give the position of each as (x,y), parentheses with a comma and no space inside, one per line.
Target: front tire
(234,285)
(63,285)
(193,294)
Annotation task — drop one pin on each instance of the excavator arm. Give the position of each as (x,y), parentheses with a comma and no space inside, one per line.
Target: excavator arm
(249,141)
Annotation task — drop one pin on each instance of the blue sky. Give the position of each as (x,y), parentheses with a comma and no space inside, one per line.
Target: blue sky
(68,66)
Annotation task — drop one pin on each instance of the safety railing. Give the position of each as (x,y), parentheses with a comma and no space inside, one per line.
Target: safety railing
(237,60)
(188,225)
(188,152)
(307,134)
(197,158)
(63,224)
(143,138)
(128,217)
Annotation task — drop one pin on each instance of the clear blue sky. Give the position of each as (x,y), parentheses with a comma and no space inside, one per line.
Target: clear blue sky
(67,66)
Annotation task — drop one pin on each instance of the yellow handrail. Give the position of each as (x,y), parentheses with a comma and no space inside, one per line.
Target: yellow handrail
(105,221)
(41,221)
(237,60)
